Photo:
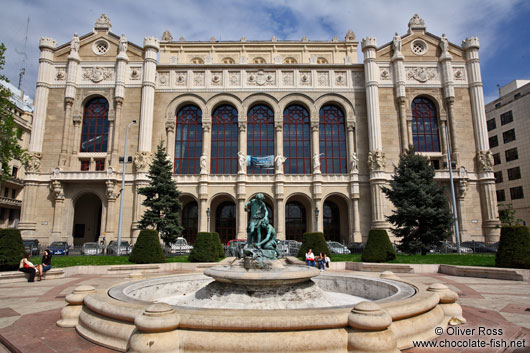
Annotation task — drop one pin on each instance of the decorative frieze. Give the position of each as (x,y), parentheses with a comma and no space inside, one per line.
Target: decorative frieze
(288,78)
(358,78)
(261,78)
(421,74)
(198,78)
(305,78)
(384,74)
(98,74)
(323,78)
(60,73)
(217,78)
(136,73)
(181,78)
(459,73)
(234,78)
(340,78)
(163,78)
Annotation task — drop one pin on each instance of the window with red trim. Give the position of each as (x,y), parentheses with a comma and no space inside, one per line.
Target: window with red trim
(331,219)
(295,221)
(224,140)
(190,221)
(425,125)
(332,140)
(260,135)
(188,140)
(85,166)
(100,164)
(95,130)
(296,140)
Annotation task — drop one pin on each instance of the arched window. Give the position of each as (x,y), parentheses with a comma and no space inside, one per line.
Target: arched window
(331,221)
(224,140)
(322,60)
(289,60)
(95,131)
(190,221)
(228,60)
(332,140)
(425,125)
(197,61)
(188,140)
(260,135)
(258,60)
(225,221)
(295,221)
(296,140)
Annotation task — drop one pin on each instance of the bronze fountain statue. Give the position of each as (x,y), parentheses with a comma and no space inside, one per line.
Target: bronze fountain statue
(261,235)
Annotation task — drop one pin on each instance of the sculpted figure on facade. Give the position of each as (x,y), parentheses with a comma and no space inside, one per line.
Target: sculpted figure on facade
(485,161)
(316,163)
(74,45)
(203,162)
(242,161)
(376,160)
(103,22)
(57,188)
(123,44)
(396,43)
(354,163)
(32,164)
(279,161)
(142,161)
(167,37)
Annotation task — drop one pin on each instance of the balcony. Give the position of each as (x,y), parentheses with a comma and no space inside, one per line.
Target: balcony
(9,202)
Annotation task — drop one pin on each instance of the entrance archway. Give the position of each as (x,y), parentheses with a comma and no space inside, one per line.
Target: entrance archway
(336,218)
(190,221)
(87,219)
(295,220)
(225,221)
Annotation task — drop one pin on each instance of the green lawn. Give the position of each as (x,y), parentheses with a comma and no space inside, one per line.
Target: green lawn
(67,261)
(487,260)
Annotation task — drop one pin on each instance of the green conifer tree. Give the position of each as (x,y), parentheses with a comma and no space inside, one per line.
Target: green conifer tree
(421,217)
(162,199)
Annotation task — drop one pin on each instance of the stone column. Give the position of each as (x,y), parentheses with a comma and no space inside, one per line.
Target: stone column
(460,195)
(484,158)
(315,146)
(242,127)
(207,142)
(376,157)
(119,96)
(399,82)
(77,119)
(278,127)
(350,129)
(151,47)
(170,143)
(110,224)
(449,96)
(356,220)
(279,178)
(443,138)
(58,210)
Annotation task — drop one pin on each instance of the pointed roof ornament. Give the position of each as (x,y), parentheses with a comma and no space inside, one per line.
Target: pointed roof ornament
(416,23)
(350,36)
(102,23)
(167,37)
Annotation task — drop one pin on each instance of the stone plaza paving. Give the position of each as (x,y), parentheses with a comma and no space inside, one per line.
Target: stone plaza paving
(29,311)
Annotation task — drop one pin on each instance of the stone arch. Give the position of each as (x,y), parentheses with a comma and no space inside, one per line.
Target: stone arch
(297,98)
(439,117)
(338,100)
(189,216)
(180,101)
(260,98)
(223,216)
(225,98)
(88,218)
(342,229)
(292,229)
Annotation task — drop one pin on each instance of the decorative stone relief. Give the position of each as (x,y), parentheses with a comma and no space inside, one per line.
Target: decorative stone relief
(111,195)
(340,78)
(217,78)
(260,78)
(358,78)
(163,79)
(242,126)
(416,22)
(461,188)
(198,78)
(60,73)
(136,73)
(323,78)
(316,163)
(77,119)
(203,163)
(173,60)
(278,125)
(385,74)
(208,59)
(376,160)
(354,163)
(421,74)
(288,78)
(181,78)
(206,126)
(98,74)
(279,160)
(167,37)
(459,73)
(314,126)
(278,59)
(485,161)
(57,189)
(142,161)
(103,22)
(170,125)
(56,173)
(305,78)
(33,162)
(350,36)
(235,78)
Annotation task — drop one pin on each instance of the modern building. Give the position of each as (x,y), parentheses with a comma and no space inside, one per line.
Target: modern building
(12,189)
(508,122)
(335,128)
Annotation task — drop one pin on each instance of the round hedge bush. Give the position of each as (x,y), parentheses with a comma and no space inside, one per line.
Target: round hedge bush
(147,249)
(11,249)
(378,247)
(207,248)
(314,241)
(514,247)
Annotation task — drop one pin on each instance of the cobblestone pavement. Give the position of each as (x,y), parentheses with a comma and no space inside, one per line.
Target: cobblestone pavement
(28,312)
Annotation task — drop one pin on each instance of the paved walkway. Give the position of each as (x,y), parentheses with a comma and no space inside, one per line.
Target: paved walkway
(28,312)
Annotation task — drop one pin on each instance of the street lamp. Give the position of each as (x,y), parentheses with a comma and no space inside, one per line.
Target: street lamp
(123,184)
(317,211)
(455,214)
(208,219)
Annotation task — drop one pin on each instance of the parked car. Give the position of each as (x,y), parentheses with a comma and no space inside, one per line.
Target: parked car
(91,248)
(179,247)
(235,247)
(125,248)
(289,247)
(448,247)
(480,247)
(32,246)
(337,248)
(356,247)
(59,248)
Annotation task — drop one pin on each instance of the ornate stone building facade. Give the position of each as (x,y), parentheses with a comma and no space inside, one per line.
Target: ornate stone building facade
(335,127)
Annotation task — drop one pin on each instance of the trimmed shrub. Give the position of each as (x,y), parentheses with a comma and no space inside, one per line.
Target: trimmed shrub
(514,247)
(11,249)
(207,248)
(314,241)
(378,247)
(147,249)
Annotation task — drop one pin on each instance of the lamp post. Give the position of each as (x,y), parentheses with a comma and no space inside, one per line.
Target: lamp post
(455,214)
(208,219)
(123,185)
(317,211)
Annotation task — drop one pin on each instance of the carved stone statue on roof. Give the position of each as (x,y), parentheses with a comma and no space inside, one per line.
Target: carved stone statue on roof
(167,37)
(350,36)
(74,44)
(123,44)
(103,22)
(416,22)
(444,44)
(396,43)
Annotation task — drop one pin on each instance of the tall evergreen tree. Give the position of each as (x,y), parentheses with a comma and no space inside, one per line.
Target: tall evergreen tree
(162,199)
(422,217)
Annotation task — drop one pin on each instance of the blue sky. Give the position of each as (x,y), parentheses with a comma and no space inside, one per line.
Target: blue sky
(501,25)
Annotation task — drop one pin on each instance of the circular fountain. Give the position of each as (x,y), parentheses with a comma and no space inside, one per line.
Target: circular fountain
(261,303)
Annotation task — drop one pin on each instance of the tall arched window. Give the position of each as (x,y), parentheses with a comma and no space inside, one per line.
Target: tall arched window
(190,221)
(425,125)
(225,221)
(188,140)
(224,140)
(295,220)
(296,140)
(331,221)
(95,130)
(332,140)
(260,135)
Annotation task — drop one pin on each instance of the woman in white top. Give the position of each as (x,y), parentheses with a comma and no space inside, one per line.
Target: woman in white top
(310,258)
(28,267)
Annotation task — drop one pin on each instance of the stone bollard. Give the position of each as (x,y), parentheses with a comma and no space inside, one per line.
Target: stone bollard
(369,331)
(155,331)
(70,313)
(448,298)
(389,275)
